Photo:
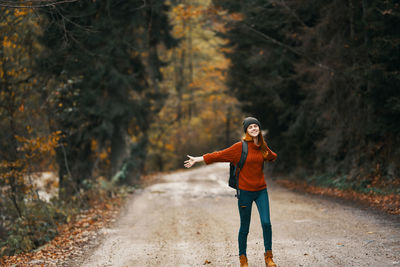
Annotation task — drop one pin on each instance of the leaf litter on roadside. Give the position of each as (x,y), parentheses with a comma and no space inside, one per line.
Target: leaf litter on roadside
(72,238)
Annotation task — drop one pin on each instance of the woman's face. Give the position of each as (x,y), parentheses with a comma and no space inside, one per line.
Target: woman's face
(253,130)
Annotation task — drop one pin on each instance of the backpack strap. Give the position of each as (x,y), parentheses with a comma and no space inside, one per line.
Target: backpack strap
(243,156)
(242,160)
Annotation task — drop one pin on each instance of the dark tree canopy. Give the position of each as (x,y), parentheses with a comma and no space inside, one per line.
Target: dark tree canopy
(323,78)
(105,53)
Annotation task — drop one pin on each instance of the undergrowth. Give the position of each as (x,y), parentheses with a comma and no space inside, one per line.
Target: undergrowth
(37,221)
(345,182)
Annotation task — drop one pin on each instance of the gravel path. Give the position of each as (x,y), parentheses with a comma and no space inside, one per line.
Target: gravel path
(190,218)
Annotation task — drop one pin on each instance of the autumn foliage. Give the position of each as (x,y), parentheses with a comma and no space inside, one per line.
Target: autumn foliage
(71,111)
(95,94)
(199,115)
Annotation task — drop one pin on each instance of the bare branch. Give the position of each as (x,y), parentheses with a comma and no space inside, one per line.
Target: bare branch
(269,38)
(33,3)
(283,3)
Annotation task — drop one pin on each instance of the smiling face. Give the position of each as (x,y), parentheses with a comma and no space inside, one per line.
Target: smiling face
(253,130)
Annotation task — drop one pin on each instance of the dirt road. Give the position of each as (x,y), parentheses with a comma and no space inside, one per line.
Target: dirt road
(190,218)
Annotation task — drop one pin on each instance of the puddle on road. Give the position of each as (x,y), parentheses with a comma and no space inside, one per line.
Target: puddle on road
(190,190)
(157,192)
(194,184)
(302,221)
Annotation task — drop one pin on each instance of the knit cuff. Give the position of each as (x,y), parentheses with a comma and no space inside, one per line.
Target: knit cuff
(207,159)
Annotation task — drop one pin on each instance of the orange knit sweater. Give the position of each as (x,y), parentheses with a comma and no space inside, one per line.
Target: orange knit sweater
(251,177)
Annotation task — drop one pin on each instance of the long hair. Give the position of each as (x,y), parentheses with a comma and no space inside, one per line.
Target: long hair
(263,145)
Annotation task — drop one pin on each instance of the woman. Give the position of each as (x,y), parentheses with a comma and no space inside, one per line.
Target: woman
(252,186)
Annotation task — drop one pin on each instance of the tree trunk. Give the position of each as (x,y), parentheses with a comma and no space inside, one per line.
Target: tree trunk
(63,188)
(191,111)
(364,18)
(14,181)
(118,149)
(228,127)
(351,19)
(179,61)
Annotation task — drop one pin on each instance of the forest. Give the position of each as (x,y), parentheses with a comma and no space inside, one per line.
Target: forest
(97,94)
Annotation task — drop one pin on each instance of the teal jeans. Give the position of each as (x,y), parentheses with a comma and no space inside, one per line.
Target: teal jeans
(245,202)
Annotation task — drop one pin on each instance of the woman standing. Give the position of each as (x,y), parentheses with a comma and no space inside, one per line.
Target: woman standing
(252,186)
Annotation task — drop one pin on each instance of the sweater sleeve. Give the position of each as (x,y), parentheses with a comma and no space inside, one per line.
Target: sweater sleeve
(271,155)
(230,154)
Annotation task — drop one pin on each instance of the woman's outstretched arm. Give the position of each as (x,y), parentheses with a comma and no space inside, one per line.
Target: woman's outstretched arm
(230,154)
(192,160)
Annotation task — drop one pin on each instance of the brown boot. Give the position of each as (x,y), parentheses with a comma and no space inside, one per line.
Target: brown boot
(268,259)
(243,261)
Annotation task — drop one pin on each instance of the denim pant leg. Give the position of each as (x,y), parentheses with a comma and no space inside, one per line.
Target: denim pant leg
(262,203)
(245,202)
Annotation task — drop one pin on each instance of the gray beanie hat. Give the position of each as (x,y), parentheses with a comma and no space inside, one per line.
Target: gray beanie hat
(250,120)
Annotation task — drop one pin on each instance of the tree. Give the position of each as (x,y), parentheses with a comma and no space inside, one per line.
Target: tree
(312,71)
(16,81)
(103,55)
(199,115)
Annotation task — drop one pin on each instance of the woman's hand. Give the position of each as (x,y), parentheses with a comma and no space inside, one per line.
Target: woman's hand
(192,160)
